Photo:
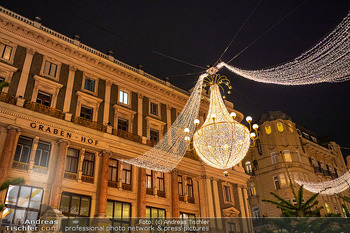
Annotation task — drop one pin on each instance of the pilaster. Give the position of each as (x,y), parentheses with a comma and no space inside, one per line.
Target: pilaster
(33,153)
(107,102)
(69,88)
(139,114)
(22,85)
(102,191)
(141,195)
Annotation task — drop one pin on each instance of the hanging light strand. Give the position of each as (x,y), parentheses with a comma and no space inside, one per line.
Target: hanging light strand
(327,61)
(169,151)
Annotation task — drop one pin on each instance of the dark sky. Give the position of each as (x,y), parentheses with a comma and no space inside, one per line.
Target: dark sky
(198,31)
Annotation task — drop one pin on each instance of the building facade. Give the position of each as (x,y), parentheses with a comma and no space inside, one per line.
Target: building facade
(70,112)
(285,150)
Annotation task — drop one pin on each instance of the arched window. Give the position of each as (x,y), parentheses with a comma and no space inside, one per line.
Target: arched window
(248,167)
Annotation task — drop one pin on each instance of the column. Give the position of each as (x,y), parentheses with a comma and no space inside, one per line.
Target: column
(69,88)
(210,203)
(80,164)
(203,201)
(141,194)
(120,175)
(32,154)
(102,197)
(8,151)
(175,195)
(168,117)
(242,208)
(56,187)
(217,204)
(25,73)
(154,182)
(249,211)
(139,114)
(107,102)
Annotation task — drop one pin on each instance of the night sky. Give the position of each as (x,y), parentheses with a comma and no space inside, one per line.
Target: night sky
(197,32)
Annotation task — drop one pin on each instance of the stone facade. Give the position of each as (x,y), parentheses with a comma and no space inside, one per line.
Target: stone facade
(71,112)
(285,145)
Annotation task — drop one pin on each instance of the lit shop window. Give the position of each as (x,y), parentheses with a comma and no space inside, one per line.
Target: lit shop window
(119,213)
(75,205)
(22,203)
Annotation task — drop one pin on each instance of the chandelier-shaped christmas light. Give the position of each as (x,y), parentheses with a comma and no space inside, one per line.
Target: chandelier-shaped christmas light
(328,187)
(221,141)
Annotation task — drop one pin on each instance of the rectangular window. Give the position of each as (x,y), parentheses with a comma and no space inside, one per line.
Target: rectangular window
(256,212)
(149,179)
(154,135)
(88,164)
(276,182)
(185,217)
(160,181)
(50,69)
(5,51)
(86,112)
(283,181)
(72,160)
(327,208)
(123,124)
(189,187)
(287,156)
(252,189)
(180,187)
(231,227)
(22,203)
(75,205)
(44,98)
(227,193)
(155,213)
(124,97)
(89,84)
(119,214)
(154,109)
(126,174)
(23,149)
(42,154)
(113,170)
(274,157)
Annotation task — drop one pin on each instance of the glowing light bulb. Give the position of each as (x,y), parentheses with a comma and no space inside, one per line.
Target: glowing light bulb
(187,138)
(187,130)
(213,116)
(196,121)
(252,135)
(233,114)
(249,119)
(255,126)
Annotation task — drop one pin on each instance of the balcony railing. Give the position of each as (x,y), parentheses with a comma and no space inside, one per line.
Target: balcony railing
(113,184)
(190,199)
(36,107)
(20,165)
(181,198)
(7,98)
(151,143)
(326,173)
(89,123)
(127,135)
(70,175)
(161,193)
(87,179)
(149,191)
(127,187)
(40,169)
(334,175)
(317,169)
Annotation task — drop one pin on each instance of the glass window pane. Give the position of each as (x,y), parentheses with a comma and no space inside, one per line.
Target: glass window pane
(126,210)
(23,200)
(53,70)
(20,217)
(47,67)
(18,152)
(44,159)
(85,206)
(154,213)
(7,216)
(117,210)
(12,194)
(161,213)
(2,49)
(65,203)
(36,197)
(148,213)
(25,154)
(75,204)
(37,157)
(109,209)
(7,53)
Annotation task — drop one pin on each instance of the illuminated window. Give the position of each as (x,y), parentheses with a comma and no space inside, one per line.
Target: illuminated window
(119,213)
(50,69)
(185,217)
(75,205)
(5,51)
(22,203)
(283,181)
(327,208)
(268,129)
(276,182)
(124,97)
(160,181)
(149,179)
(248,167)
(88,164)
(280,127)
(126,173)
(274,157)
(252,189)
(155,213)
(113,170)
(287,156)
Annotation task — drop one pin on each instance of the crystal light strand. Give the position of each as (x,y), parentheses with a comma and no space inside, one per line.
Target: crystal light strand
(328,187)
(169,151)
(327,61)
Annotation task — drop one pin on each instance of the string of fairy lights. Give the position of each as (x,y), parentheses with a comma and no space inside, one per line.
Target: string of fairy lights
(327,61)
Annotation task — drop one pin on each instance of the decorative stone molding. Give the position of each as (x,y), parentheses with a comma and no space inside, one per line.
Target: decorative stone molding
(48,86)
(6,72)
(89,101)
(230,212)
(14,47)
(155,124)
(125,113)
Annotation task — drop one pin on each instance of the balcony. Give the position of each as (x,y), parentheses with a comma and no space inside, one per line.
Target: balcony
(70,175)
(181,198)
(190,200)
(89,123)
(127,135)
(326,173)
(36,107)
(40,169)
(20,165)
(317,169)
(151,143)
(87,179)
(161,193)
(127,187)
(113,184)
(7,98)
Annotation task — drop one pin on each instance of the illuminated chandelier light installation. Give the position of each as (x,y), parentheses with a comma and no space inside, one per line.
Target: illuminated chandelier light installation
(328,187)
(169,151)
(327,61)
(221,142)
